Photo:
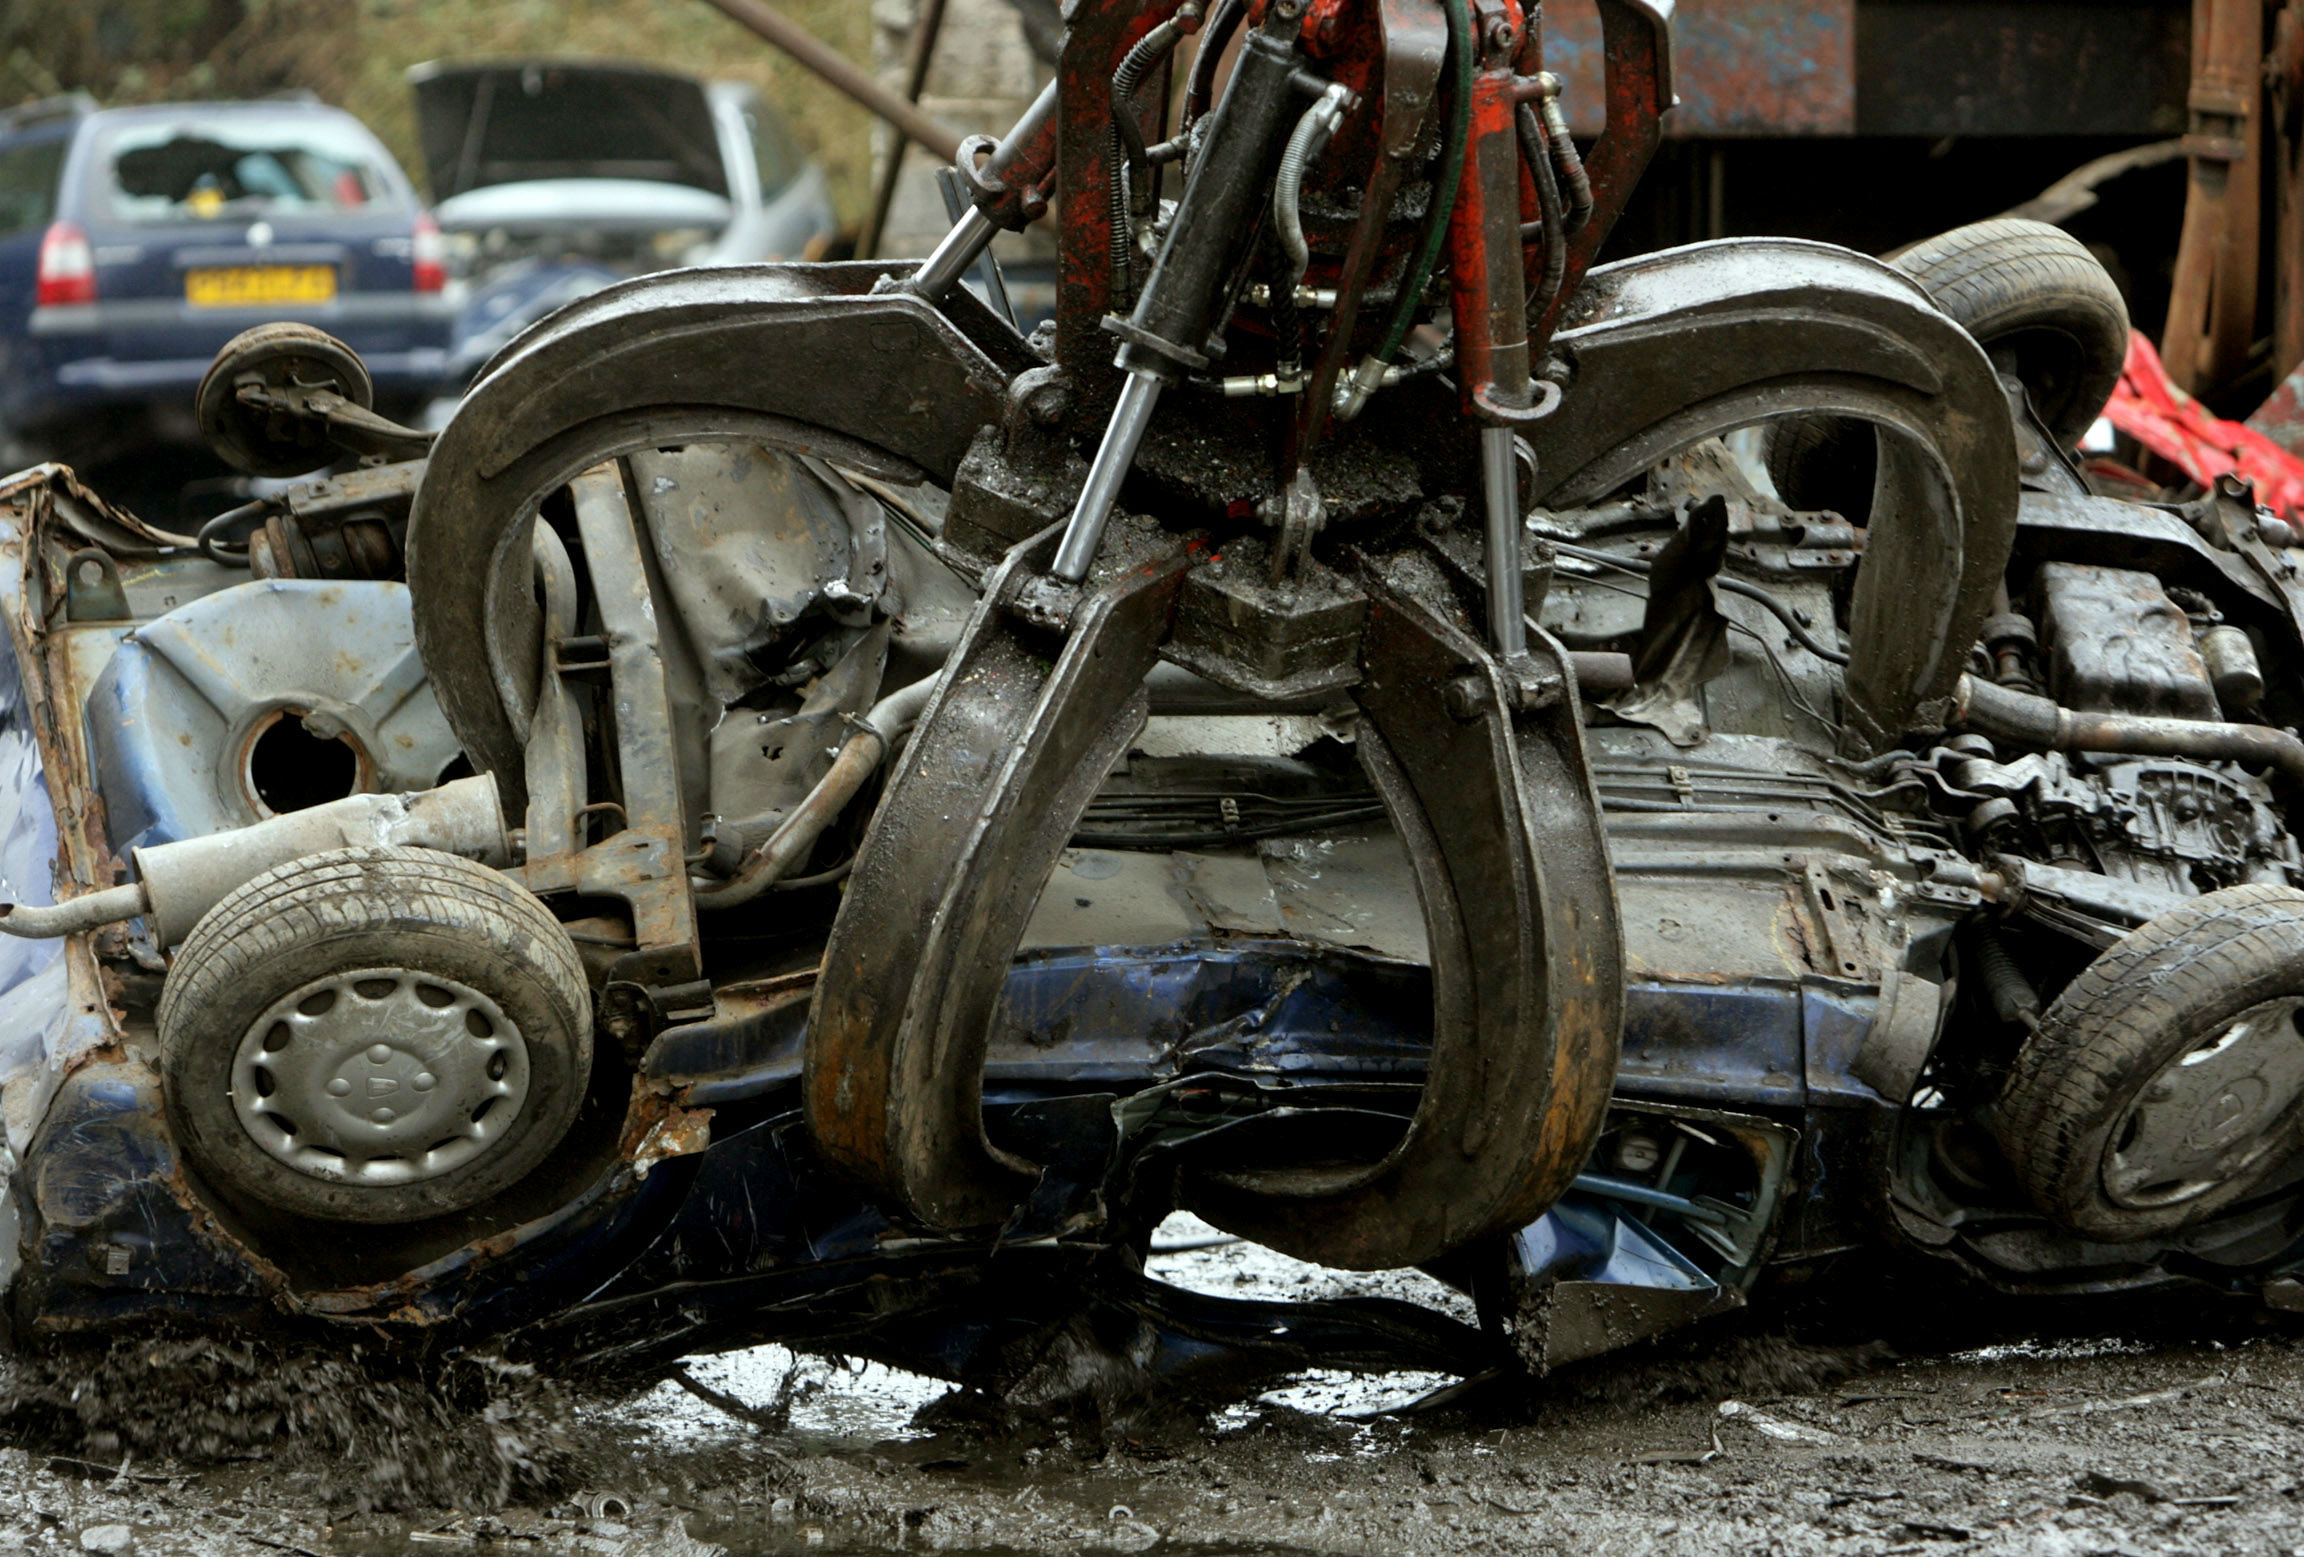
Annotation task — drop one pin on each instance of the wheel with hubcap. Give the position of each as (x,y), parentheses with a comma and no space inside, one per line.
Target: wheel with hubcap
(2166,1083)
(374,1035)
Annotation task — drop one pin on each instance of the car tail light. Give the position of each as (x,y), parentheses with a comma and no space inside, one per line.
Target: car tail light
(431,255)
(67,267)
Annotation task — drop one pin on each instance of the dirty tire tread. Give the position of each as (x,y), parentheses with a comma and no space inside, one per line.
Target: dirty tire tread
(361,894)
(2009,275)
(2115,1026)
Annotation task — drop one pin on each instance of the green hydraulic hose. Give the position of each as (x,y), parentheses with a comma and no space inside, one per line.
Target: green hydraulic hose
(1459,134)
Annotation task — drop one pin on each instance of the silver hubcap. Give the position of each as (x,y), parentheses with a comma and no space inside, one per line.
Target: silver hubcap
(380,1076)
(2223,1111)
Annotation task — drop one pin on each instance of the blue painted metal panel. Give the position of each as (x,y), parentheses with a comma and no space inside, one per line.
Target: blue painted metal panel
(27,842)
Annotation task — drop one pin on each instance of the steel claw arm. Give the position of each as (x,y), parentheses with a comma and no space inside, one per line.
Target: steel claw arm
(1002,765)
(1496,806)
(1491,795)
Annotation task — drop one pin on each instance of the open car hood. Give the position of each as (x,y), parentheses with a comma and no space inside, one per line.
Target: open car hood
(514,121)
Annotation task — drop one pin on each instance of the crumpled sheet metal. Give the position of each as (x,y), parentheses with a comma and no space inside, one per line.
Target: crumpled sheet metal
(2150,409)
(56,1012)
(749,540)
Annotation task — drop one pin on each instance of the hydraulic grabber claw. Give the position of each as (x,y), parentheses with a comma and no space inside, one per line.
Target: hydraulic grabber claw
(1475,747)
(1480,762)
(1003,764)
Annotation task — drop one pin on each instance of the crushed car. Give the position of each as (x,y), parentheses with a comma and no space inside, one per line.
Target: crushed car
(802,814)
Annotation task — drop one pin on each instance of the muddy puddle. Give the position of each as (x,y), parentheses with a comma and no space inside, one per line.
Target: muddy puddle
(1968,1428)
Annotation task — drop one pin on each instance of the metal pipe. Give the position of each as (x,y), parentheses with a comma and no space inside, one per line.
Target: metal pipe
(91,911)
(974,231)
(839,72)
(922,53)
(1500,484)
(960,248)
(987,267)
(179,882)
(1139,393)
(2036,721)
(1642,1195)
(793,840)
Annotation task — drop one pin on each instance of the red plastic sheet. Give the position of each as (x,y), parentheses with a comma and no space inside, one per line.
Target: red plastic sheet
(2182,431)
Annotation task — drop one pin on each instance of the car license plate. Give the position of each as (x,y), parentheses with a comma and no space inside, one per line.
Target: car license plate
(244,286)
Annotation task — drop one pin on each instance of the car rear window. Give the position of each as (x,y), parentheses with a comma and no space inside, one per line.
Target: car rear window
(198,169)
(28,173)
(780,158)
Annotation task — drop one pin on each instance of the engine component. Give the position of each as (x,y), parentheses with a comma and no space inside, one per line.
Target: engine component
(2035,721)
(178,883)
(2117,644)
(2166,1083)
(2232,668)
(222,712)
(351,526)
(374,1035)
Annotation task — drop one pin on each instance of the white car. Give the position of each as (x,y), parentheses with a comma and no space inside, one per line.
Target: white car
(552,178)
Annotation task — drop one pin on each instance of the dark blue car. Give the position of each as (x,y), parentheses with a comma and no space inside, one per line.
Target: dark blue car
(136,241)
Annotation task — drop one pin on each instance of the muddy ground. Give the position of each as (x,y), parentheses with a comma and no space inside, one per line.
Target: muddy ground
(1852,1419)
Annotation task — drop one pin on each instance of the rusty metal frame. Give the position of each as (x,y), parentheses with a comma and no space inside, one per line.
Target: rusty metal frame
(1096,39)
(1636,37)
(644,862)
(2212,302)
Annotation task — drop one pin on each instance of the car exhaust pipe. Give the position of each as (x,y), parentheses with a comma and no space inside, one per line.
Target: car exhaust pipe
(177,883)
(2008,715)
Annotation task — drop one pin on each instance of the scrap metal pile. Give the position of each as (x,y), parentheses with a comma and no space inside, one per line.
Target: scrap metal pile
(803,814)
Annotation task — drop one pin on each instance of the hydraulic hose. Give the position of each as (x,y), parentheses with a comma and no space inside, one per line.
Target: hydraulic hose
(1456,136)
(1127,142)
(792,842)
(1304,147)
(1200,92)
(1569,160)
(1538,155)
(2005,714)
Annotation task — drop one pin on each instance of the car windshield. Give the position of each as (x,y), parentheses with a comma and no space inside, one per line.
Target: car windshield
(194,170)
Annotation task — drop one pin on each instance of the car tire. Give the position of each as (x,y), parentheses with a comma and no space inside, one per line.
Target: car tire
(374,1035)
(2033,294)
(2037,301)
(2166,1082)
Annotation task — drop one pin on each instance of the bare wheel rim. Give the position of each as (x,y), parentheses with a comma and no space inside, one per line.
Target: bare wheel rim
(380,1076)
(2225,1109)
